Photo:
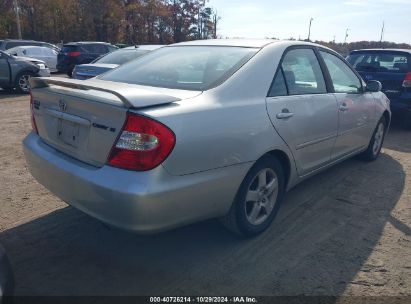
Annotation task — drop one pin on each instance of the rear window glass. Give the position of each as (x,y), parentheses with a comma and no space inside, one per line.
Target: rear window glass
(183,67)
(69,48)
(120,57)
(380,62)
(95,48)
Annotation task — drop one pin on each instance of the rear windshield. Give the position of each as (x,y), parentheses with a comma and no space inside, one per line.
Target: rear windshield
(392,62)
(69,48)
(121,56)
(183,67)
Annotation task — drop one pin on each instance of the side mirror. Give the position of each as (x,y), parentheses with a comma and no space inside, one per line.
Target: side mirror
(373,86)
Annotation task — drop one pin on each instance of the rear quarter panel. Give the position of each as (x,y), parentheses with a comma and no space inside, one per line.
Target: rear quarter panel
(227,125)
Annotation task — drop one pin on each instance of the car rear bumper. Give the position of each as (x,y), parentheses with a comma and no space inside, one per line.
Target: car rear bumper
(138,201)
(401,106)
(64,66)
(44,72)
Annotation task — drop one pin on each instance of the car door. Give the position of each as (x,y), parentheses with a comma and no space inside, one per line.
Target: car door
(4,70)
(49,56)
(302,111)
(355,106)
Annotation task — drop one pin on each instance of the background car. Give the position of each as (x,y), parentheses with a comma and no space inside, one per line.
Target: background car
(74,53)
(16,71)
(11,43)
(48,55)
(392,67)
(111,61)
(6,275)
(201,129)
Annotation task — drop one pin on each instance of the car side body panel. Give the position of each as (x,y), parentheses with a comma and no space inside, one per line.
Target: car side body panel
(220,134)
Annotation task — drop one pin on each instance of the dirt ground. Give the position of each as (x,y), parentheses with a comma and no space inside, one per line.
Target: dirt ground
(343,232)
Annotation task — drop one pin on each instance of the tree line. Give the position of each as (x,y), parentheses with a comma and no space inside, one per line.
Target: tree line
(345,48)
(126,21)
(115,21)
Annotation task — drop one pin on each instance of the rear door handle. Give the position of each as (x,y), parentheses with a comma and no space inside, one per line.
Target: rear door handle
(285,115)
(343,107)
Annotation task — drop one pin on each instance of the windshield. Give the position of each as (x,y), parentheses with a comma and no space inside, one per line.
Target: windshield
(121,56)
(392,62)
(183,67)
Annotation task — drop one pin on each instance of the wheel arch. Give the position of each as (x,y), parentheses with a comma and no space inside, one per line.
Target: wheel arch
(387,117)
(284,161)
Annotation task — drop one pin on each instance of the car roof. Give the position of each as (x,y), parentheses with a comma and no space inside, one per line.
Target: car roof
(383,50)
(148,47)
(22,40)
(30,47)
(251,43)
(255,43)
(86,42)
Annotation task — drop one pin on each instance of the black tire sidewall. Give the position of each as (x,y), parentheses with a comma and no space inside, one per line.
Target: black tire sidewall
(243,224)
(369,153)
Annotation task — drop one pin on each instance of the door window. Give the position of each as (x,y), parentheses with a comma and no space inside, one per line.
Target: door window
(343,78)
(278,88)
(100,49)
(302,72)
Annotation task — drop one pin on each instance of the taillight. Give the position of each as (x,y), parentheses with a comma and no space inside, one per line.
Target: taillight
(33,121)
(407,81)
(143,144)
(73,54)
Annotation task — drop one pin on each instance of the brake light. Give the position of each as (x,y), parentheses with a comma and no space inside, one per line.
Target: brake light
(73,54)
(143,144)
(33,121)
(407,81)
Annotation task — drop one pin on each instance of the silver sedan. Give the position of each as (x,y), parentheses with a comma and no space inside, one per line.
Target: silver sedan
(199,130)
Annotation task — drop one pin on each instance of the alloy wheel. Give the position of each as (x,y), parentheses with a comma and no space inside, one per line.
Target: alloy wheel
(24,84)
(261,196)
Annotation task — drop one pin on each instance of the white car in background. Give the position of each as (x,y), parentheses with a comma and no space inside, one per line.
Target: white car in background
(48,55)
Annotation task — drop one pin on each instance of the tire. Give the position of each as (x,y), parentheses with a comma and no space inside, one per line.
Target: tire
(376,142)
(21,82)
(251,217)
(70,72)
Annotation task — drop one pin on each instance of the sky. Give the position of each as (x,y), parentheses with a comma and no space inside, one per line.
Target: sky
(290,18)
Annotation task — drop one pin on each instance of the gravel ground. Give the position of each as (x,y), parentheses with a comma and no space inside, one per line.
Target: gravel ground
(343,232)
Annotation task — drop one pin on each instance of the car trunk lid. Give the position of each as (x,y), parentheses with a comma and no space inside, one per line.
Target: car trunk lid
(83,119)
(391,82)
(92,69)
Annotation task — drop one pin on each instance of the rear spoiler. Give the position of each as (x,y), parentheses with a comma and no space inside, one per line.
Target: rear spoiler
(130,95)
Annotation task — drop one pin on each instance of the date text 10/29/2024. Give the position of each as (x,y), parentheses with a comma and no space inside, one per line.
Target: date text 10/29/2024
(203,300)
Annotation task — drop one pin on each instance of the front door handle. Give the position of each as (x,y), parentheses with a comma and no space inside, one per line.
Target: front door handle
(343,107)
(285,115)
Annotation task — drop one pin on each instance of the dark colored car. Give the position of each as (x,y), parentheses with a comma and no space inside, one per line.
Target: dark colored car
(111,61)
(11,43)
(74,53)
(392,67)
(6,276)
(15,71)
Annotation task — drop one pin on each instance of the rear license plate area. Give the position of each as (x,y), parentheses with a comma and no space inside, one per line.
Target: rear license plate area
(68,132)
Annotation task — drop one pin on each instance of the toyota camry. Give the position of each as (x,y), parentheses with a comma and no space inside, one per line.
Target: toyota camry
(201,129)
